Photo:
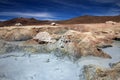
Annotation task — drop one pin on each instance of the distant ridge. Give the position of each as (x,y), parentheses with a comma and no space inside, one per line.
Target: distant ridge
(91,19)
(77,20)
(23,21)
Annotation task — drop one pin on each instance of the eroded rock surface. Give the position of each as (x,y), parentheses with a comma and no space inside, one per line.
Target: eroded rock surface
(67,40)
(17,34)
(43,37)
(93,72)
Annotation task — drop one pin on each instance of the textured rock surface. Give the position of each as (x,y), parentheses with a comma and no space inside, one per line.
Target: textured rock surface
(72,43)
(17,34)
(92,72)
(68,40)
(44,37)
(78,44)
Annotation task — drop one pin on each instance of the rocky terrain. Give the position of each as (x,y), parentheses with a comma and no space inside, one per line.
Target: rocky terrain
(71,41)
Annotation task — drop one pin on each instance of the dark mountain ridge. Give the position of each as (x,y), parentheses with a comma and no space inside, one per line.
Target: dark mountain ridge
(91,19)
(77,20)
(23,21)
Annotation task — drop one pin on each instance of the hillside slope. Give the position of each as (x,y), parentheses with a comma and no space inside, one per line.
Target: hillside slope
(23,21)
(91,19)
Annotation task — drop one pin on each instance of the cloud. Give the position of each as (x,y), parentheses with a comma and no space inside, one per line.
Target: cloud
(70,4)
(118,4)
(105,1)
(23,14)
(7,2)
(114,2)
(110,12)
(2,19)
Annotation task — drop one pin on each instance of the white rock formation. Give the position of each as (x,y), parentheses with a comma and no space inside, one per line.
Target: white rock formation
(44,37)
(110,22)
(18,24)
(53,24)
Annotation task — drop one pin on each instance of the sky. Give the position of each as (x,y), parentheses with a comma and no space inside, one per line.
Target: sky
(57,9)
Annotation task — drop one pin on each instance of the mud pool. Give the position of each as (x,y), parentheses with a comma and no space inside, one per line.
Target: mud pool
(21,66)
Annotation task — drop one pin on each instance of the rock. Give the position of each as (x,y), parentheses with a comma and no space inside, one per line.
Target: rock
(72,43)
(93,72)
(3,33)
(88,47)
(115,65)
(75,35)
(43,37)
(110,22)
(19,34)
(56,36)
(53,24)
(79,44)
(18,24)
(90,72)
(67,46)
(103,42)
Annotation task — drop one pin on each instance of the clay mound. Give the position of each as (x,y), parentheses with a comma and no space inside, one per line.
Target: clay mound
(90,19)
(23,21)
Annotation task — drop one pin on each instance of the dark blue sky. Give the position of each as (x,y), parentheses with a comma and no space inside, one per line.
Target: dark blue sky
(57,9)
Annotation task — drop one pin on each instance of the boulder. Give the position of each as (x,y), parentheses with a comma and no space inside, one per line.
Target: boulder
(43,37)
(18,24)
(53,24)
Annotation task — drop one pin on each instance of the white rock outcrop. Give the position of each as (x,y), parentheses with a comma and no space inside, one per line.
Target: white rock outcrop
(44,37)
(53,24)
(110,22)
(18,24)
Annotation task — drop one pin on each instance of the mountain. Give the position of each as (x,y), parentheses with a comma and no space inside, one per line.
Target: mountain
(91,19)
(23,21)
(77,20)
